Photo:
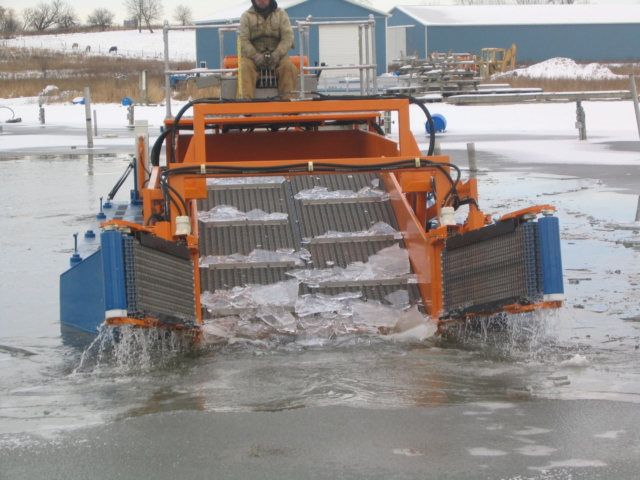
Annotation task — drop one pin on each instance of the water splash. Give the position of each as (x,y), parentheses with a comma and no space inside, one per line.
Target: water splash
(529,336)
(131,350)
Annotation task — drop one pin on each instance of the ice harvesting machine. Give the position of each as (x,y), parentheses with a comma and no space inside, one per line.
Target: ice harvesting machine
(147,262)
(144,268)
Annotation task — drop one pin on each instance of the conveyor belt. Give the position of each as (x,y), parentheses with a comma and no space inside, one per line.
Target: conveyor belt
(306,221)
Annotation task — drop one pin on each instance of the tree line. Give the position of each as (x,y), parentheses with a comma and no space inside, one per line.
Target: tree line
(60,16)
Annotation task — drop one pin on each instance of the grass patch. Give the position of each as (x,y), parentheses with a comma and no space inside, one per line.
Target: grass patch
(26,72)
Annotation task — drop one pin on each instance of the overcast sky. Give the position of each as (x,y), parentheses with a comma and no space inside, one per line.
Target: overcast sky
(202,8)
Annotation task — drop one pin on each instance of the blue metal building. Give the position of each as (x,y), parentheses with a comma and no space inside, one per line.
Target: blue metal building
(593,33)
(333,45)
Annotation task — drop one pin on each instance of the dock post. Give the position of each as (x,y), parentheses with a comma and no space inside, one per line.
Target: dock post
(473,163)
(581,121)
(87,111)
(634,96)
(638,211)
(95,124)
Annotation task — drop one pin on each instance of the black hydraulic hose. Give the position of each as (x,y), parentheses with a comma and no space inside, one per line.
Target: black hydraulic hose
(157,146)
(120,182)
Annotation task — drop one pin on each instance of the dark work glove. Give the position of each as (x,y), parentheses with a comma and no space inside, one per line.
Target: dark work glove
(274,60)
(260,61)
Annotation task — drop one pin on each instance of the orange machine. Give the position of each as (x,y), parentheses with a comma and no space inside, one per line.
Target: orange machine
(460,266)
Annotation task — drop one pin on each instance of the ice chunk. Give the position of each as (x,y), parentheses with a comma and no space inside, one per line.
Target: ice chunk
(409,319)
(216,300)
(323,193)
(576,361)
(227,213)
(382,228)
(278,318)
(253,330)
(281,294)
(257,256)
(392,260)
(413,327)
(379,228)
(214,331)
(399,297)
(375,183)
(222,213)
(374,315)
(244,180)
(319,303)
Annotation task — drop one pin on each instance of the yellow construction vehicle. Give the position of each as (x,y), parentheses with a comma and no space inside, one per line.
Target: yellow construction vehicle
(497,60)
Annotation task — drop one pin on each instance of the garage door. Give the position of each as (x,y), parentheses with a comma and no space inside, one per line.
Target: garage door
(339,47)
(396,43)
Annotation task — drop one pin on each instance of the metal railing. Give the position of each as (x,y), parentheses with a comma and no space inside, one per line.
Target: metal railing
(366,50)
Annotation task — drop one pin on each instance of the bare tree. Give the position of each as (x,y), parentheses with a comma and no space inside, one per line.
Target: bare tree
(67,17)
(145,11)
(101,17)
(9,22)
(183,15)
(46,15)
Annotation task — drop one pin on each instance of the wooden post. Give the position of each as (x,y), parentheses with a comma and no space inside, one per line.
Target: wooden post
(87,111)
(634,96)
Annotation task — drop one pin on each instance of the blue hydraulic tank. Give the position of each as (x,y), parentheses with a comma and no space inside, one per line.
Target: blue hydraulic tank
(439,123)
(551,258)
(115,294)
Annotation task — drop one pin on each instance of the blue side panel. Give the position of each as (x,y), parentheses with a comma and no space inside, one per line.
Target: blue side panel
(82,295)
(551,257)
(537,43)
(113,267)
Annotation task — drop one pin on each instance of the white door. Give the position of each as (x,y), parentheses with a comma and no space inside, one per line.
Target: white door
(396,43)
(339,47)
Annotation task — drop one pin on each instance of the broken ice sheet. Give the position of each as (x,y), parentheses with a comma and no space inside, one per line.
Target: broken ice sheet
(244,180)
(399,297)
(259,215)
(281,294)
(392,260)
(227,213)
(278,318)
(379,228)
(222,213)
(319,303)
(323,193)
(257,256)
(375,315)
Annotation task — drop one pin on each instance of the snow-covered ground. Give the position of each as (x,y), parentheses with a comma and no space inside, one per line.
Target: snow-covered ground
(130,43)
(606,122)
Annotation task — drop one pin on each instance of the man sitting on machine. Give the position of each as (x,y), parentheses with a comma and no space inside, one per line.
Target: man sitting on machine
(266,37)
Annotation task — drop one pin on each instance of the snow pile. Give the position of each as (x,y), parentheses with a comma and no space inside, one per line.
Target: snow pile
(563,68)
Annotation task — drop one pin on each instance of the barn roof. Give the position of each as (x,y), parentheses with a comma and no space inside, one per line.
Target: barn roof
(523,14)
(234,13)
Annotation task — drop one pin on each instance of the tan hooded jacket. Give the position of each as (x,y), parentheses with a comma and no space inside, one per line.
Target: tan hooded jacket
(265,35)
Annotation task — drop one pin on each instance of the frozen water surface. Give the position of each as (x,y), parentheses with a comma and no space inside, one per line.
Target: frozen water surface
(334,398)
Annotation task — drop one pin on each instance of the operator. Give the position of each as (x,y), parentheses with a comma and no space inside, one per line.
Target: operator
(266,37)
